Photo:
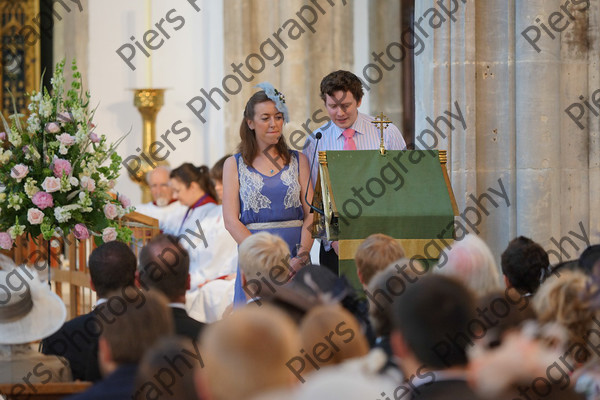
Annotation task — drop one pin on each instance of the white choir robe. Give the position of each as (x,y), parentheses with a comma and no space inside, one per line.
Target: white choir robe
(213,254)
(165,215)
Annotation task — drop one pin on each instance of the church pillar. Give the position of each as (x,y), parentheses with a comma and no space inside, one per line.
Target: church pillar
(517,134)
(305,58)
(385,28)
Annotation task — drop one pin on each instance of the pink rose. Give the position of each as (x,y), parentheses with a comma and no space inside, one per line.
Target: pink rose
(51,184)
(52,127)
(110,211)
(125,202)
(109,234)
(43,200)
(60,167)
(6,241)
(80,231)
(64,117)
(94,138)
(87,183)
(65,139)
(19,171)
(35,216)
(2,135)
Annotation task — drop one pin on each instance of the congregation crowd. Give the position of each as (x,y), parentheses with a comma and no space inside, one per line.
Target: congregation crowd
(226,303)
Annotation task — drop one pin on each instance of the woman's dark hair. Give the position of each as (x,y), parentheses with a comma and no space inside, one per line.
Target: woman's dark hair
(188,173)
(248,145)
(216,172)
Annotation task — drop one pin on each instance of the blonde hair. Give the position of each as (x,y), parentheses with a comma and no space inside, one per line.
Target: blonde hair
(335,327)
(246,353)
(375,253)
(470,260)
(261,252)
(565,300)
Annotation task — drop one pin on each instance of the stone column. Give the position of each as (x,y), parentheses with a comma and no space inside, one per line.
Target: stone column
(513,98)
(305,61)
(384,28)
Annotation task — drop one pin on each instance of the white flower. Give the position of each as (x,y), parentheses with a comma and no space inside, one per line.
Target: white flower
(14,138)
(61,214)
(45,108)
(5,156)
(79,115)
(30,187)
(19,171)
(87,183)
(73,181)
(2,197)
(15,201)
(63,150)
(35,216)
(16,230)
(37,97)
(33,123)
(51,184)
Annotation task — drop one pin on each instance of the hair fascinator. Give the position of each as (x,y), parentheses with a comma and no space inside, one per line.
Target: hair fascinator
(277,97)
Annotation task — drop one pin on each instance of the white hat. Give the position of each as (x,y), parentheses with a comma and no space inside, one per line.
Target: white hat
(29,311)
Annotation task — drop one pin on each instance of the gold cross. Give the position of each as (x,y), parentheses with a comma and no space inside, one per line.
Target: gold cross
(383,123)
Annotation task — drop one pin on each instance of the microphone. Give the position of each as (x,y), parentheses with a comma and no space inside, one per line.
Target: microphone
(318,135)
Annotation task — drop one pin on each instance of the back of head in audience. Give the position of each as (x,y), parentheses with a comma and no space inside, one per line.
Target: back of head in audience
(471,261)
(138,319)
(432,310)
(246,353)
(565,300)
(387,287)
(524,263)
(112,267)
(325,285)
(263,260)
(165,265)
(171,354)
(374,254)
(589,258)
(331,335)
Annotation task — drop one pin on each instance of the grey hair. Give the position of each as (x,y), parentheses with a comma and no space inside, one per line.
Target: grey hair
(163,167)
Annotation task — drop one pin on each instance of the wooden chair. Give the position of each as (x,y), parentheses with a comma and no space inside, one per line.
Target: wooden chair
(42,391)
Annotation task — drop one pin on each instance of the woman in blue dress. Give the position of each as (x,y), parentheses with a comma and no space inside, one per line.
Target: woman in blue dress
(262,183)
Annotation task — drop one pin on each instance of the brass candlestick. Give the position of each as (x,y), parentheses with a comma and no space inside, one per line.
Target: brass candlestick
(149,103)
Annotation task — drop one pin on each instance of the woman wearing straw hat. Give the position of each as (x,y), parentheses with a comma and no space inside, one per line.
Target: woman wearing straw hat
(29,312)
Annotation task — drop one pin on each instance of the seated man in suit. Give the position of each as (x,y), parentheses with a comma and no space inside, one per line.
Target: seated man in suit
(430,334)
(112,267)
(132,329)
(165,267)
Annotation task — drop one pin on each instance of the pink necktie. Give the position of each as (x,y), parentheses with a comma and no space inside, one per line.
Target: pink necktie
(349,140)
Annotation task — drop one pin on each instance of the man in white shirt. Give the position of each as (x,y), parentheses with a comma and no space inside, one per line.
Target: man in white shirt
(163,206)
(348,129)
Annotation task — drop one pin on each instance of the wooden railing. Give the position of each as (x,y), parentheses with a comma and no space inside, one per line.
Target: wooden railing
(70,274)
(42,391)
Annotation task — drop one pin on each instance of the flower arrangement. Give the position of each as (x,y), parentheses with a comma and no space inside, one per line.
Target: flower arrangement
(57,171)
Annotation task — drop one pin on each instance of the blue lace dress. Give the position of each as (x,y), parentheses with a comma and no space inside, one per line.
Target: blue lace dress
(271,204)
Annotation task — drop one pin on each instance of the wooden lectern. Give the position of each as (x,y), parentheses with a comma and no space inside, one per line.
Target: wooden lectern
(405,194)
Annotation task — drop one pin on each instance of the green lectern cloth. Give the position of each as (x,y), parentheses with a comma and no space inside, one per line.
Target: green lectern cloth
(402,194)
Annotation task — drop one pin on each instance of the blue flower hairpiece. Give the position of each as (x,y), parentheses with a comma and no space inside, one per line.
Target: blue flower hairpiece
(277,97)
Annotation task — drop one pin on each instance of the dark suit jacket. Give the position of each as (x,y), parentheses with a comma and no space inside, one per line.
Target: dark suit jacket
(116,386)
(445,390)
(77,341)
(186,325)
